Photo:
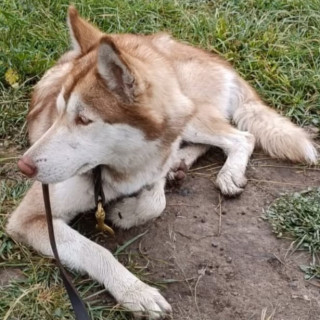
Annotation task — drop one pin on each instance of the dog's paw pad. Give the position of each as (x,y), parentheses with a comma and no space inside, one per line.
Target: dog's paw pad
(178,172)
(179,175)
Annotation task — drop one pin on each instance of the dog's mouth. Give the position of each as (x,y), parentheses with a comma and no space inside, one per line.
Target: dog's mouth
(84,168)
(45,178)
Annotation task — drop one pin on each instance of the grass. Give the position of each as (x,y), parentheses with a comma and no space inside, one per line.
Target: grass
(297,217)
(273,44)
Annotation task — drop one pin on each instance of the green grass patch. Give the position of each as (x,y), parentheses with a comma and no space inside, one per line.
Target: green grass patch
(297,217)
(273,44)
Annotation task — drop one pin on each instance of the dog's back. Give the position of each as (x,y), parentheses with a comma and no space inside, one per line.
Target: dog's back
(219,92)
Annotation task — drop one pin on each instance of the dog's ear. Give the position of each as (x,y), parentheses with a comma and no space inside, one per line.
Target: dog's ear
(83,34)
(115,71)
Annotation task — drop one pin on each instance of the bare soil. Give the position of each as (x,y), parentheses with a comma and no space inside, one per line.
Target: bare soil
(227,262)
(220,255)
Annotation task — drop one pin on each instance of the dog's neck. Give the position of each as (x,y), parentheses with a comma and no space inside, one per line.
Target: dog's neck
(135,175)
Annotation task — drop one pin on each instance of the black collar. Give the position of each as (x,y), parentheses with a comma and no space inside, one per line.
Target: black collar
(98,188)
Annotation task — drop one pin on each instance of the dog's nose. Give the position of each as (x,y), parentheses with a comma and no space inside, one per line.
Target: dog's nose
(27,166)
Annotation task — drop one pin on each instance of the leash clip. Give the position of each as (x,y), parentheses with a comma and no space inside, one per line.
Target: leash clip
(100,216)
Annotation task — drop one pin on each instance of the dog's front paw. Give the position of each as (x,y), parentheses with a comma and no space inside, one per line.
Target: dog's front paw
(136,210)
(230,184)
(123,213)
(145,302)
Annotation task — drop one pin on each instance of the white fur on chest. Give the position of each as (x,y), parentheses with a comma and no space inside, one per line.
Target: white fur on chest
(76,194)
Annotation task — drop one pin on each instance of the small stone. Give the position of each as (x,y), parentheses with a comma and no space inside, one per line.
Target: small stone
(214,244)
(293,284)
(229,259)
(184,192)
(7,275)
(203,220)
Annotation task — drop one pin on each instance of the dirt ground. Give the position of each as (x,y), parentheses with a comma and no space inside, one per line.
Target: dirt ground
(223,257)
(228,262)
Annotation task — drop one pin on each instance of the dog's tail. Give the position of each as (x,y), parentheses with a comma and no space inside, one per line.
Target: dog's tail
(279,137)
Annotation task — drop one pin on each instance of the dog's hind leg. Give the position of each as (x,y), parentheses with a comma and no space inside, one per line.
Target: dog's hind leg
(237,145)
(185,158)
(132,211)
(28,224)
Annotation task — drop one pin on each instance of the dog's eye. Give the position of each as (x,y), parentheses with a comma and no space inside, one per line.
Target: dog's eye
(82,120)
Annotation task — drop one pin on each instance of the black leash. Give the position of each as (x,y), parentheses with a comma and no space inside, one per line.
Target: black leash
(77,303)
(99,197)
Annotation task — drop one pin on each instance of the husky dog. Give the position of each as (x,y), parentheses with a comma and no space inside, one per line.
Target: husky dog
(126,102)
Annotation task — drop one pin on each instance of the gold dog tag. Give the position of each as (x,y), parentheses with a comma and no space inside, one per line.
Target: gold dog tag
(100,216)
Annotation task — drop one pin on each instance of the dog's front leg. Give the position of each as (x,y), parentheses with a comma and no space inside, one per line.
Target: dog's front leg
(132,211)
(28,224)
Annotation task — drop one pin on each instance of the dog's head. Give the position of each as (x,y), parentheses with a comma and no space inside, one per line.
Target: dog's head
(116,103)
